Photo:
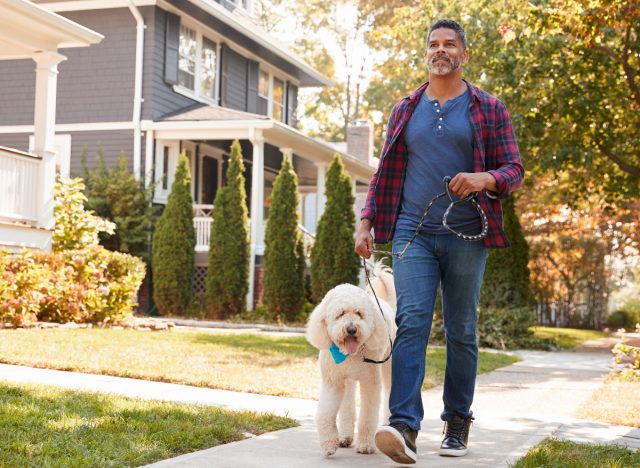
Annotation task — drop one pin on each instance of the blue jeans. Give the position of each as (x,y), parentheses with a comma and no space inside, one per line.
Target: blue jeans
(457,265)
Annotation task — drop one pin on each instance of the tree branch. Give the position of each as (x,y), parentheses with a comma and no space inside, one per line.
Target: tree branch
(629,71)
(626,167)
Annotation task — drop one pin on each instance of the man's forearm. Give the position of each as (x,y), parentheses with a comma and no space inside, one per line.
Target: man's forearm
(364,224)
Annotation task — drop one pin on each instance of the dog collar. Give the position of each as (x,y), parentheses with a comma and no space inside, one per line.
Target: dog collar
(338,356)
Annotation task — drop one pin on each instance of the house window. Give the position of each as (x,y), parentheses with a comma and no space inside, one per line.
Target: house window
(271,93)
(187,60)
(197,65)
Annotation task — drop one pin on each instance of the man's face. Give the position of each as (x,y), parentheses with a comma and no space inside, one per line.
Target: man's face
(445,52)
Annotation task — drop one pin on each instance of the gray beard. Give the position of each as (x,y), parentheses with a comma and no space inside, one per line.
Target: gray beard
(443,68)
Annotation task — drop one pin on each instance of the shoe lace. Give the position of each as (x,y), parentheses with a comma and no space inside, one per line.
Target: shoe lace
(455,428)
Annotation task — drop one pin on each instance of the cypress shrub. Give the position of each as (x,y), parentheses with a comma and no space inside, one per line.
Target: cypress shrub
(228,266)
(173,246)
(283,267)
(506,278)
(333,260)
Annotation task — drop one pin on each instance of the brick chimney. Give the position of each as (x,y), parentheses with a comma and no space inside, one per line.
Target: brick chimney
(360,140)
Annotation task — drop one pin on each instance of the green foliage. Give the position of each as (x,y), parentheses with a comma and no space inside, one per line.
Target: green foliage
(506,281)
(509,329)
(116,195)
(628,360)
(75,227)
(89,285)
(333,260)
(173,246)
(228,272)
(284,272)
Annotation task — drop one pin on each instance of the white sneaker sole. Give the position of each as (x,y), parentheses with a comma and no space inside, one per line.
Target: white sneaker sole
(452,452)
(391,443)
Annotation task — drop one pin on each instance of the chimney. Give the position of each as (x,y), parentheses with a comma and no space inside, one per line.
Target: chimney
(360,140)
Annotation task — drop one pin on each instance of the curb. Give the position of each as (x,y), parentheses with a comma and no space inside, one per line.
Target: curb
(513,456)
(230,325)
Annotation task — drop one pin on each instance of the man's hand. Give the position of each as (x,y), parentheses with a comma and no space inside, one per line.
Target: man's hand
(466,182)
(364,240)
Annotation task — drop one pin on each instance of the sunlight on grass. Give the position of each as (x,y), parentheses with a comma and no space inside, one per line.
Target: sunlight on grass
(46,426)
(281,366)
(613,403)
(568,338)
(563,454)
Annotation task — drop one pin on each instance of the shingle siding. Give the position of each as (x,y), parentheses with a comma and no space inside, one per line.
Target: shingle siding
(112,144)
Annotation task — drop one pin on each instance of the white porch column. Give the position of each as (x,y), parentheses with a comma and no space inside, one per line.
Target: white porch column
(44,131)
(320,197)
(257,209)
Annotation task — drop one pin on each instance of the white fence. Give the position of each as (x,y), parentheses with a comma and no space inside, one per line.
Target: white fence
(18,185)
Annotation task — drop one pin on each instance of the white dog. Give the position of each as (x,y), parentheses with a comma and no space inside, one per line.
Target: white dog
(350,319)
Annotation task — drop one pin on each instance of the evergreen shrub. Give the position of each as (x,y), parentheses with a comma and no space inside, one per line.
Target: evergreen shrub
(173,246)
(333,259)
(284,252)
(229,250)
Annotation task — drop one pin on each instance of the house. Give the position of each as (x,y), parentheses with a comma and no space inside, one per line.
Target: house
(32,36)
(184,75)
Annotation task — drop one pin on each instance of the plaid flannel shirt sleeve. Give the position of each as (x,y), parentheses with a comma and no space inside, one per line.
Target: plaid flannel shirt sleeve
(509,172)
(369,210)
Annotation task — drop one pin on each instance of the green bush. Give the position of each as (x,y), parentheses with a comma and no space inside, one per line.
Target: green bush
(509,329)
(284,252)
(333,260)
(89,285)
(229,251)
(619,319)
(173,247)
(114,194)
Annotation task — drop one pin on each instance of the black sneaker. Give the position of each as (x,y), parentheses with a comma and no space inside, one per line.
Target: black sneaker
(398,442)
(456,437)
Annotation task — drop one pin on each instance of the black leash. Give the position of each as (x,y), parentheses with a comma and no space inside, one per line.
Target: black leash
(471,198)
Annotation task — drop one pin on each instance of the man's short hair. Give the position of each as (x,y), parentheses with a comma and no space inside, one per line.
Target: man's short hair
(449,24)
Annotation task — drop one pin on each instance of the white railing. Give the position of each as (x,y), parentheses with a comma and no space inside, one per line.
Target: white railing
(202,223)
(18,185)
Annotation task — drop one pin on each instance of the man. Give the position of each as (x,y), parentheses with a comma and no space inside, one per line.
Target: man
(447,127)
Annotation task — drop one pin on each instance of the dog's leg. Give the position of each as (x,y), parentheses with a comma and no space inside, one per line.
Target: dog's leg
(369,411)
(386,391)
(330,398)
(347,415)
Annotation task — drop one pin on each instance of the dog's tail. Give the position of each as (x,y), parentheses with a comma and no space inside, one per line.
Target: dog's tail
(382,282)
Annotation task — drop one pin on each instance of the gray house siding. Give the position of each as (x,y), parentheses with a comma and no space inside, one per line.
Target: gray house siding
(112,144)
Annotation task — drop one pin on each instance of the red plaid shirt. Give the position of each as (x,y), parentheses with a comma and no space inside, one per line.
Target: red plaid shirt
(494,148)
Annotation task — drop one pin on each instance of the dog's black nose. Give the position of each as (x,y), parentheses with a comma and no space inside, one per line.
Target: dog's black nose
(351,330)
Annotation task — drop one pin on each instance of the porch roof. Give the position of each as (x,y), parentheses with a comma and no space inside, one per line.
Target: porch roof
(219,123)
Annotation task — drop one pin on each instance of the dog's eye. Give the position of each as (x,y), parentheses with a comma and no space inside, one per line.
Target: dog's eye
(358,313)
(340,314)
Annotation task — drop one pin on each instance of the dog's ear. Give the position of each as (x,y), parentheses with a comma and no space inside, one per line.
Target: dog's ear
(317,327)
(380,335)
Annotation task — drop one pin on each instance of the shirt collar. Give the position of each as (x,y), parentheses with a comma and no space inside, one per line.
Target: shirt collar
(415,96)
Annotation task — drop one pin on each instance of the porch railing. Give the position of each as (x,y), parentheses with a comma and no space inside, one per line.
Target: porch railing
(18,185)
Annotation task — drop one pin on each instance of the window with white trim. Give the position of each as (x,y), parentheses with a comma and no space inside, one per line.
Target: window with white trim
(271,91)
(197,64)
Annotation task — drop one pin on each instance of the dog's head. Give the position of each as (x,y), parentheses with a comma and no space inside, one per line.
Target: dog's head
(347,317)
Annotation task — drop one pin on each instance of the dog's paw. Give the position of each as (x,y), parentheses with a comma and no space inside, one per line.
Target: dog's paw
(346,441)
(329,447)
(365,448)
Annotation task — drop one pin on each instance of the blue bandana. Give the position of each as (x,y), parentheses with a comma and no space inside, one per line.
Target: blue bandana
(338,356)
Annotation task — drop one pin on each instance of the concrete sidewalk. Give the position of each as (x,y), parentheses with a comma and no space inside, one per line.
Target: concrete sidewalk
(515,408)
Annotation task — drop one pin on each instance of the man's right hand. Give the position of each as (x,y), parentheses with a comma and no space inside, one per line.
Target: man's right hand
(364,239)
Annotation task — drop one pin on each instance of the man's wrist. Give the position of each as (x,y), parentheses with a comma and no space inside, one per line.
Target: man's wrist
(364,224)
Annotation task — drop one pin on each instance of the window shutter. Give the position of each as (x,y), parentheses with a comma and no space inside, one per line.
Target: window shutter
(224,74)
(172,42)
(253,73)
(292,105)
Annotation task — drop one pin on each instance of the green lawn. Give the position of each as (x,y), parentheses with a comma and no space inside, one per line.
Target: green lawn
(285,366)
(568,338)
(46,427)
(562,454)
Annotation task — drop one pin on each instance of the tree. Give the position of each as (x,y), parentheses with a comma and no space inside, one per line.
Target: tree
(506,282)
(228,271)
(284,275)
(173,246)
(116,195)
(333,260)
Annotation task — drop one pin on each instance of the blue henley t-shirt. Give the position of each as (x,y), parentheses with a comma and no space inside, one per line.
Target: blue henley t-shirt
(439,141)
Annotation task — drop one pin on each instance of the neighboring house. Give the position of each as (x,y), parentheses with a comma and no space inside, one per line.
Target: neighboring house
(184,75)
(34,35)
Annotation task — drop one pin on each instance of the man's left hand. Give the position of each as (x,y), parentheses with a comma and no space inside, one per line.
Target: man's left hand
(465,183)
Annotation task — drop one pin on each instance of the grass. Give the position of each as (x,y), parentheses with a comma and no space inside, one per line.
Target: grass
(282,366)
(568,338)
(563,454)
(45,427)
(613,403)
